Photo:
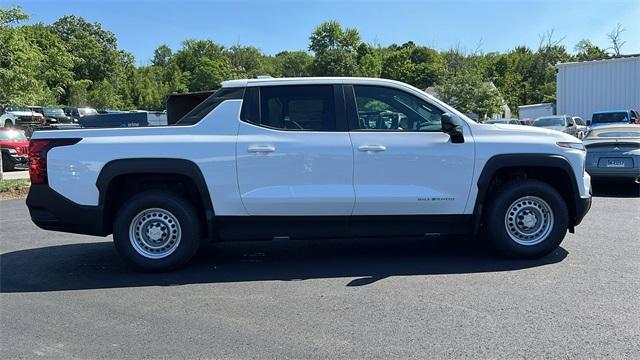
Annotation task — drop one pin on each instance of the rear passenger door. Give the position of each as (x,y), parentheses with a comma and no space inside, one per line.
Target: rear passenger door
(294,154)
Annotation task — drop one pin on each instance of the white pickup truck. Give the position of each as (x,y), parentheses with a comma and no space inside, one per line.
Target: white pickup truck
(309,158)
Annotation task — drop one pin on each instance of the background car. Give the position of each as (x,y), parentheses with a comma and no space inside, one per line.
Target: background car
(77,113)
(562,123)
(14,147)
(581,126)
(613,151)
(503,121)
(53,115)
(601,118)
(20,117)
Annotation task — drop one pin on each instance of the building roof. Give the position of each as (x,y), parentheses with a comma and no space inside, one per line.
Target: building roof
(630,57)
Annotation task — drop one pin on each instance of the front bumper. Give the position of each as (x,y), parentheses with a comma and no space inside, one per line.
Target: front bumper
(582,208)
(51,211)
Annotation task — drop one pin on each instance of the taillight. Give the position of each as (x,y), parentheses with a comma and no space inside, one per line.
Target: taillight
(38,157)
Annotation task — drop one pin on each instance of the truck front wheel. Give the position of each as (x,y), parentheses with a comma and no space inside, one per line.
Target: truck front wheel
(156,230)
(526,219)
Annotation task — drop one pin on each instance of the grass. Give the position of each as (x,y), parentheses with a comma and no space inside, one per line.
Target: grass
(13,185)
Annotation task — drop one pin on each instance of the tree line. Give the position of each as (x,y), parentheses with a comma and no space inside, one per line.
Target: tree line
(77,63)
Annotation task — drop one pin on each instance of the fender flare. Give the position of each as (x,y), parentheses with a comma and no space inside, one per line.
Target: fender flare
(497,162)
(187,168)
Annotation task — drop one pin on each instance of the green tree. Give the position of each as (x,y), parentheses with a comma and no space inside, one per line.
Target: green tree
(12,16)
(79,93)
(20,64)
(586,50)
(94,47)
(208,74)
(331,36)
(335,50)
(369,61)
(247,61)
(161,55)
(56,67)
(104,95)
(335,62)
(293,64)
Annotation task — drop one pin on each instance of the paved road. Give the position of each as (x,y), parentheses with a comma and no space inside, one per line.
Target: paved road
(65,296)
(16,174)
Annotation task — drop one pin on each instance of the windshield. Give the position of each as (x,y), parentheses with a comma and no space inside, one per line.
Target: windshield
(549,121)
(17,108)
(610,118)
(87,111)
(52,112)
(11,135)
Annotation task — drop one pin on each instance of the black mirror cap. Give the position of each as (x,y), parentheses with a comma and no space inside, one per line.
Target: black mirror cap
(452,129)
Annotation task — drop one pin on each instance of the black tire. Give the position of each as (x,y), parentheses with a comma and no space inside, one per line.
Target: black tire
(188,227)
(7,163)
(8,124)
(497,223)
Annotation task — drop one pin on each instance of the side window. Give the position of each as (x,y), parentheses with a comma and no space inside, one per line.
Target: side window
(297,108)
(579,121)
(387,109)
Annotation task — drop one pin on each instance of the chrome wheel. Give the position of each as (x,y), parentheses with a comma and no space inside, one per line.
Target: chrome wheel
(155,233)
(529,220)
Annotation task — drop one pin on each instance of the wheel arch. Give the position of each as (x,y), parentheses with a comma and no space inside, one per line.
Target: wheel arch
(551,168)
(120,178)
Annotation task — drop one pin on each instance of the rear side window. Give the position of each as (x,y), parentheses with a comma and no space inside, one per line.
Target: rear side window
(205,107)
(291,107)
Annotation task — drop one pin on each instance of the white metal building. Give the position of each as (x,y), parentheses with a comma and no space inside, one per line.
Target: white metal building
(598,85)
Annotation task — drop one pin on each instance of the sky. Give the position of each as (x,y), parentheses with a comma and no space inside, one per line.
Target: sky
(273,26)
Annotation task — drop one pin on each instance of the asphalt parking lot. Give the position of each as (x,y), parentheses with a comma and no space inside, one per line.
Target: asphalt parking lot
(69,296)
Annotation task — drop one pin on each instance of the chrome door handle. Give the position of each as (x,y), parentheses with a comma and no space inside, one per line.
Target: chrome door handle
(261,149)
(372,148)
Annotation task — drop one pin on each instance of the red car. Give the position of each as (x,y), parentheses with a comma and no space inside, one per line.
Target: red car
(14,147)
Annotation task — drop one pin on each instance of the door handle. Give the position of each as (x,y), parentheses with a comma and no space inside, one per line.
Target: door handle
(372,148)
(261,149)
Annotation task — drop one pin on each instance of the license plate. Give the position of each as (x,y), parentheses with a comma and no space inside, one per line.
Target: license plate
(615,163)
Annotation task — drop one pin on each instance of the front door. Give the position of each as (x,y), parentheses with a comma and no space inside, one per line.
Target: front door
(294,155)
(404,163)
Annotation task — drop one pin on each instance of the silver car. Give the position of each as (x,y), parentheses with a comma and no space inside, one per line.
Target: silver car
(613,151)
(581,127)
(562,123)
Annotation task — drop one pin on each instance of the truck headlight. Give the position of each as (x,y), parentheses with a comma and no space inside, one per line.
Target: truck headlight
(572,145)
(12,151)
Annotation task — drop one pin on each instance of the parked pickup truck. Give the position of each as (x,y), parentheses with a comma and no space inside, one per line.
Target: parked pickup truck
(309,158)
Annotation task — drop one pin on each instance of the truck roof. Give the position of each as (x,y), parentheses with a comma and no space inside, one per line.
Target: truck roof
(307,81)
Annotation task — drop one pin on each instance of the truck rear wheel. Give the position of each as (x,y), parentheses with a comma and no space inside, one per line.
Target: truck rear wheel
(527,219)
(157,230)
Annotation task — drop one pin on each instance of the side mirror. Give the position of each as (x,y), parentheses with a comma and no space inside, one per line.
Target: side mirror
(454,131)
(588,122)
